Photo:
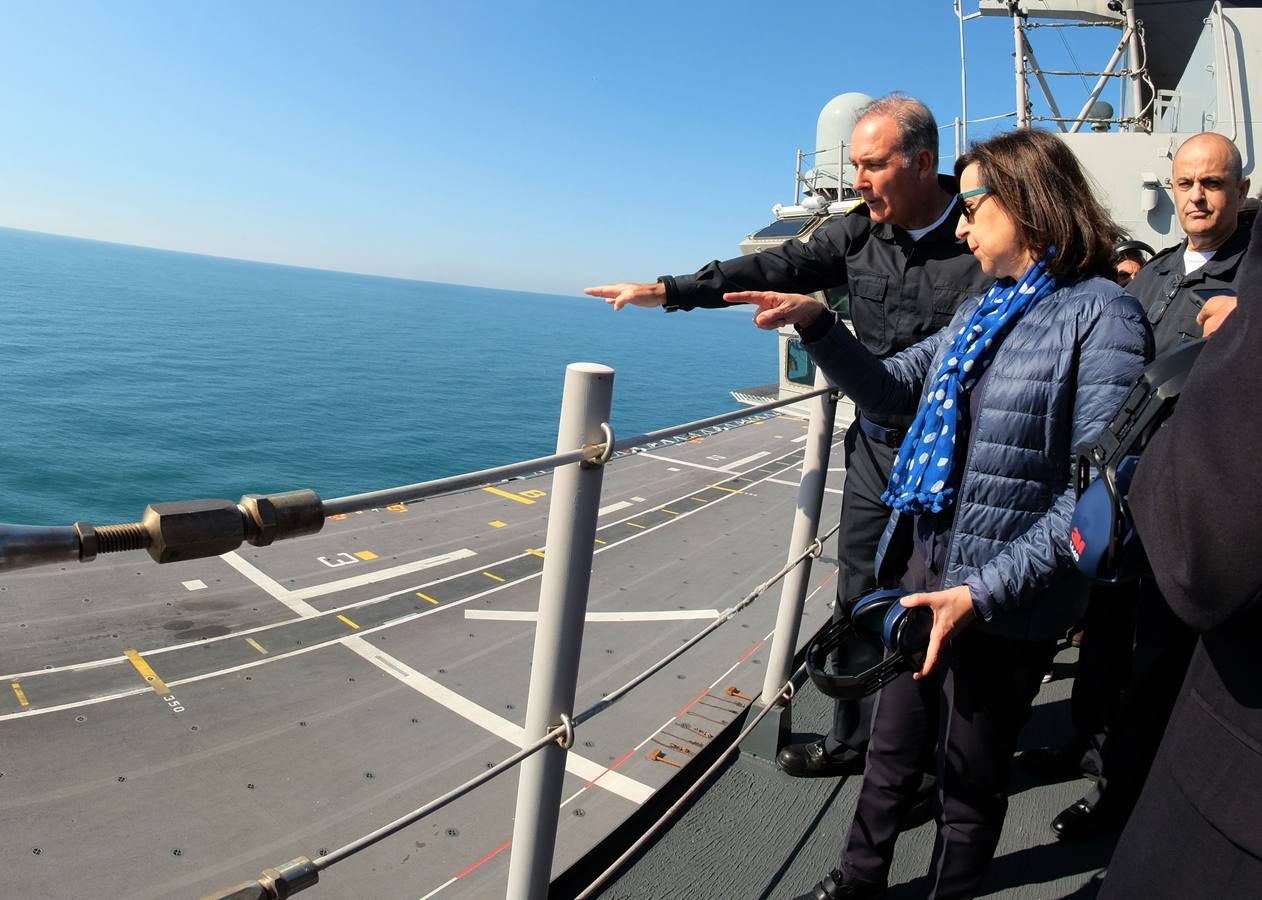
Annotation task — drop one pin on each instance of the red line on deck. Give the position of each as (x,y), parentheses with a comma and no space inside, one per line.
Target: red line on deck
(693,703)
(752,651)
(624,758)
(490,856)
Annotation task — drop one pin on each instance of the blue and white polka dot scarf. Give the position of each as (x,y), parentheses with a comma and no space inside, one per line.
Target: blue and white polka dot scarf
(921,479)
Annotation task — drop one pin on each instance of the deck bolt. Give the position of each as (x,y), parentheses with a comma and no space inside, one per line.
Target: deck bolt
(37,851)
(177,852)
(453,832)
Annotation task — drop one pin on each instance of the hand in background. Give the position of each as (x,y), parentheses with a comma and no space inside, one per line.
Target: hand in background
(1215,312)
(619,295)
(952,610)
(776,309)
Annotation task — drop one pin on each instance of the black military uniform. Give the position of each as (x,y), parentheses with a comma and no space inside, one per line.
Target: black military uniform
(1197,831)
(1132,624)
(901,291)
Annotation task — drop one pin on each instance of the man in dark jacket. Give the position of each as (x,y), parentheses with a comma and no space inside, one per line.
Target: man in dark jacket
(1197,831)
(906,273)
(1133,624)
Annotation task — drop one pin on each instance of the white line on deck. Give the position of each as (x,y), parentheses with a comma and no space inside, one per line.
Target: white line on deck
(795,484)
(746,461)
(799,439)
(665,615)
(195,585)
(680,462)
(613,507)
(497,725)
(295,599)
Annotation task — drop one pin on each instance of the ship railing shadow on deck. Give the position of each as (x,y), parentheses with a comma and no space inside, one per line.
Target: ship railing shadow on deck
(172,532)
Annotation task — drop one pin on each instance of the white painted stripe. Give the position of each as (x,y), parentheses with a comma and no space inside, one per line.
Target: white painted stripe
(799,439)
(827,490)
(680,462)
(613,507)
(295,599)
(666,615)
(442,887)
(497,725)
(740,463)
(195,585)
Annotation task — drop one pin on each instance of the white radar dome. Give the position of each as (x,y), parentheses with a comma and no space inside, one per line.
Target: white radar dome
(832,138)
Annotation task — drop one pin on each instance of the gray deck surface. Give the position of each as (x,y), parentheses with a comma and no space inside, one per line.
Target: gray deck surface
(321,687)
(757,833)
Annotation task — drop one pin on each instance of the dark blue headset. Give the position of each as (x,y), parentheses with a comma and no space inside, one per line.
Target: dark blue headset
(880,639)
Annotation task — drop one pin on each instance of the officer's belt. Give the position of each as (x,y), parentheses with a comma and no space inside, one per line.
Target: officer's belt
(890,437)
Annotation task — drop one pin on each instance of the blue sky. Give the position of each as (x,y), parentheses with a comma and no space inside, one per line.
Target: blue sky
(529,145)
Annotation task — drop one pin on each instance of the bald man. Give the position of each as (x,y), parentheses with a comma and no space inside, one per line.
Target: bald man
(1186,291)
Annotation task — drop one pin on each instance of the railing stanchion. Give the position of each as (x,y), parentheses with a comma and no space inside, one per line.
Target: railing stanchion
(567,567)
(766,741)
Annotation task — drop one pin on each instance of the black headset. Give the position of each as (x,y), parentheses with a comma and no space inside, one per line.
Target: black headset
(877,626)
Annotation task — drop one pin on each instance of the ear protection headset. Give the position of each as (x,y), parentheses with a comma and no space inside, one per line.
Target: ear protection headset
(1102,535)
(878,626)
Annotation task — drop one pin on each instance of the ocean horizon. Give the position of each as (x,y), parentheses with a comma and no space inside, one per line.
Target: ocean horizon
(141,375)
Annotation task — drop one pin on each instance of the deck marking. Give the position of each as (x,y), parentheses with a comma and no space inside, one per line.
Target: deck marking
(698,499)
(669,512)
(665,615)
(748,459)
(799,439)
(427,597)
(438,890)
(366,555)
(256,645)
(508,494)
(146,672)
(493,577)
(17,689)
(635,524)
(719,487)
(195,585)
(294,599)
(613,507)
(348,622)
(533,552)
(678,462)
(486,859)
(673,469)
(497,725)
(637,499)
(599,541)
(497,524)
(827,490)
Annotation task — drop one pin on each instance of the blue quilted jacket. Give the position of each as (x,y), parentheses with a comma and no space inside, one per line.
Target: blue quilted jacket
(1056,380)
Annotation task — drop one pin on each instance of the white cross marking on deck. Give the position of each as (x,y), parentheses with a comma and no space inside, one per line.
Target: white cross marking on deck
(195,585)
(664,615)
(502,728)
(679,462)
(748,459)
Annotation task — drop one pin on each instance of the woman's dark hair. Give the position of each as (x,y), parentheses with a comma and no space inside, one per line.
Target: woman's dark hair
(1041,184)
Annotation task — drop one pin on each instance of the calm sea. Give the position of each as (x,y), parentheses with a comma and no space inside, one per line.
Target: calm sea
(133,375)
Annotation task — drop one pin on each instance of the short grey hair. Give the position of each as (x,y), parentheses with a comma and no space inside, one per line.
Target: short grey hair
(917,129)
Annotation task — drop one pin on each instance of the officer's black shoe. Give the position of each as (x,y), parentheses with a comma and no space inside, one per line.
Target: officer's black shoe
(812,760)
(834,886)
(1084,820)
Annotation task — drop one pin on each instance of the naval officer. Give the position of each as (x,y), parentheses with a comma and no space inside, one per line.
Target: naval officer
(906,272)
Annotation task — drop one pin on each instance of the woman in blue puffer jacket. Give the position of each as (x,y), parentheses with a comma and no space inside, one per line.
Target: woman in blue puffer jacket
(981,491)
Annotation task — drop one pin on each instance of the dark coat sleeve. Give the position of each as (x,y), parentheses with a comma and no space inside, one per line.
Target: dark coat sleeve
(794,266)
(1197,494)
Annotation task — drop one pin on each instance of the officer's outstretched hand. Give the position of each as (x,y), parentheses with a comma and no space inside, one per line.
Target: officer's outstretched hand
(776,309)
(952,610)
(619,295)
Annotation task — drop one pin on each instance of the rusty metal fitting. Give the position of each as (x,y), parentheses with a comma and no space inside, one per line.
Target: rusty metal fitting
(269,517)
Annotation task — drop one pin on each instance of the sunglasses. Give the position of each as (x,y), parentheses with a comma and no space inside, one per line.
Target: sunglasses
(968,211)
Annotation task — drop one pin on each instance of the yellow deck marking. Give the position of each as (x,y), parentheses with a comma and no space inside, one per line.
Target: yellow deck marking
(698,499)
(17,689)
(256,645)
(669,512)
(146,672)
(508,495)
(599,541)
(426,597)
(719,487)
(493,577)
(696,440)
(366,555)
(348,622)
(397,507)
(634,525)
(534,552)
(497,524)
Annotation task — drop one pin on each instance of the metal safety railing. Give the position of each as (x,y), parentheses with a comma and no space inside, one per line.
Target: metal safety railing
(585,442)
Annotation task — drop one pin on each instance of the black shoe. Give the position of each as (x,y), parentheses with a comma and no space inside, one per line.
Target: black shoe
(834,886)
(1084,820)
(812,760)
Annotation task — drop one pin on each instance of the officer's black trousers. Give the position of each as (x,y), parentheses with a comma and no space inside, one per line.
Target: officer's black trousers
(1103,669)
(971,710)
(863,519)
